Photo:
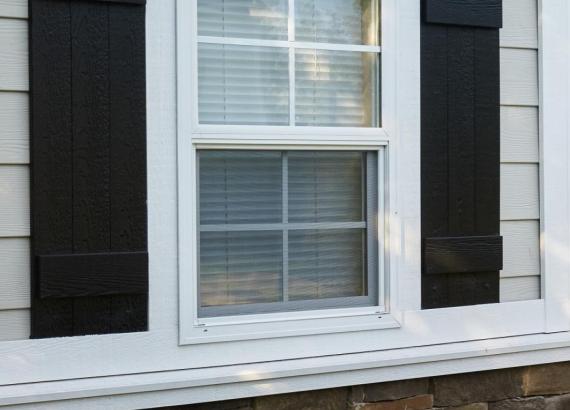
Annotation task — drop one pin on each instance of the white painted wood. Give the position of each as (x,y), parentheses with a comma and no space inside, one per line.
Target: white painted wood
(14,273)
(91,356)
(519,77)
(14,128)
(520,24)
(14,324)
(521,248)
(14,8)
(519,191)
(519,134)
(14,201)
(555,158)
(13,54)
(203,385)
(522,288)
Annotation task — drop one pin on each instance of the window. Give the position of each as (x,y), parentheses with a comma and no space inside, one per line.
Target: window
(285,164)
(286,230)
(279,62)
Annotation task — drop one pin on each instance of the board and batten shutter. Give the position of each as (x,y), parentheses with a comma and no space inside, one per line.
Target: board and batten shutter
(88,158)
(460,152)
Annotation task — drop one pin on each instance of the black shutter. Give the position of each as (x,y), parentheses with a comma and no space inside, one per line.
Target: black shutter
(460,153)
(88,157)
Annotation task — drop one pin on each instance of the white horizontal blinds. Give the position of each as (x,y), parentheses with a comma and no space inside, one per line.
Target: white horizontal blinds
(325,186)
(326,264)
(282,228)
(243,85)
(334,21)
(238,187)
(247,47)
(332,88)
(252,19)
(240,267)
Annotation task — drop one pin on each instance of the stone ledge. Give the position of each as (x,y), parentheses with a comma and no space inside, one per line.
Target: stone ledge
(532,403)
(389,391)
(330,399)
(480,387)
(423,402)
(547,379)
(558,402)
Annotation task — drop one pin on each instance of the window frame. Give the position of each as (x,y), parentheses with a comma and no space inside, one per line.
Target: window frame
(194,136)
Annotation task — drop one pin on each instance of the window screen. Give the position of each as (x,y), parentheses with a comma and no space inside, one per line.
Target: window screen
(260,63)
(286,230)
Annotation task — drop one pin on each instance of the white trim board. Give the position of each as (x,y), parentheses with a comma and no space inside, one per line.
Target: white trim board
(203,385)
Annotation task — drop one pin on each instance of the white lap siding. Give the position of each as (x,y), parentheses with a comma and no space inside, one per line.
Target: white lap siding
(14,172)
(520,277)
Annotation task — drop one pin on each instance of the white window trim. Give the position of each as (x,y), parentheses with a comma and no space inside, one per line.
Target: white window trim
(152,364)
(193,136)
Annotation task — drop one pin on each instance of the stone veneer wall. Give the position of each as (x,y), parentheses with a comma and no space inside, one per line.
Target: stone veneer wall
(544,387)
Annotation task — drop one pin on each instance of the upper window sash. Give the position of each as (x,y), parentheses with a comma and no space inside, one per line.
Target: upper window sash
(348,114)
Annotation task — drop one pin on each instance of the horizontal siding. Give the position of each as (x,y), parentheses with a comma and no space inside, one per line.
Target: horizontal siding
(519,134)
(14,201)
(520,202)
(14,8)
(14,324)
(520,24)
(14,128)
(519,192)
(521,248)
(14,172)
(13,55)
(523,288)
(519,77)
(14,273)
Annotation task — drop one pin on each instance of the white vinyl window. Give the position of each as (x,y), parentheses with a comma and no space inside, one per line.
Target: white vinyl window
(287,167)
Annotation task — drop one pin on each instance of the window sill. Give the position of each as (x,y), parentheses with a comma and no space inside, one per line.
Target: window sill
(211,330)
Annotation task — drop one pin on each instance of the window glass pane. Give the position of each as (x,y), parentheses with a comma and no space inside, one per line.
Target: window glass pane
(239,187)
(326,264)
(261,19)
(240,267)
(336,21)
(336,88)
(243,85)
(286,230)
(325,186)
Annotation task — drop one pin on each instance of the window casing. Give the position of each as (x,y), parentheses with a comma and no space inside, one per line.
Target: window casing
(328,100)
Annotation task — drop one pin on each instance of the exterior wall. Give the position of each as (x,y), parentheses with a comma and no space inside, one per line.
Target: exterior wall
(545,387)
(519,156)
(520,225)
(14,171)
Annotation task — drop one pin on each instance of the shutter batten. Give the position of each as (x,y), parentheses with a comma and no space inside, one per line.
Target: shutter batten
(88,158)
(460,153)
